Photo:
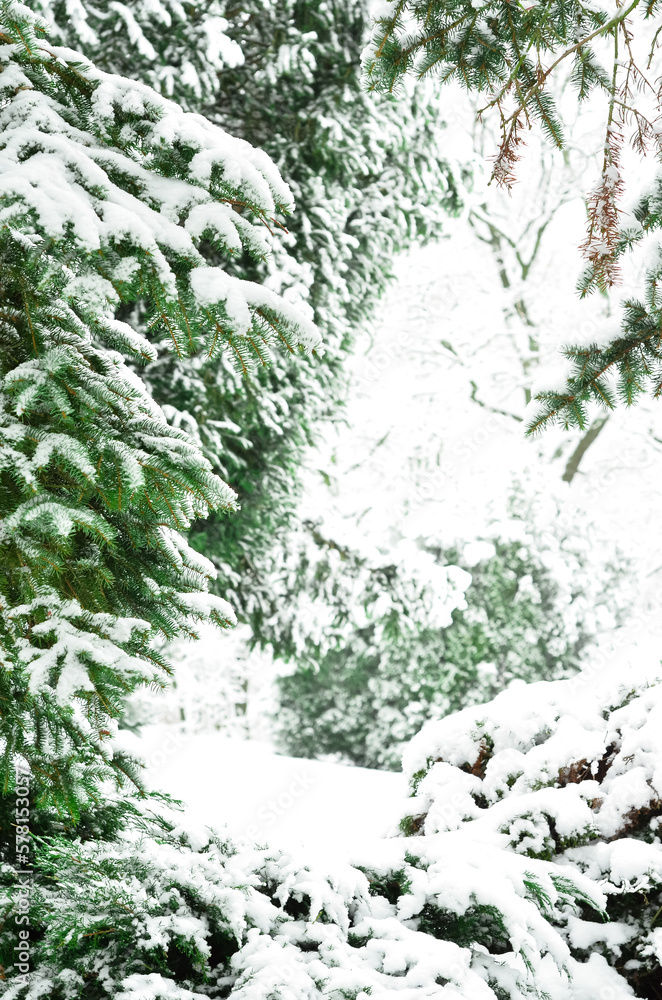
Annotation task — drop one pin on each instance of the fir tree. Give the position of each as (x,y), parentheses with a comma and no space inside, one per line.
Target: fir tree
(179,49)
(369,178)
(564,772)
(623,360)
(109,194)
(513,54)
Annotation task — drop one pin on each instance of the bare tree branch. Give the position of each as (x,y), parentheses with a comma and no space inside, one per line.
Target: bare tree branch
(492,409)
(572,466)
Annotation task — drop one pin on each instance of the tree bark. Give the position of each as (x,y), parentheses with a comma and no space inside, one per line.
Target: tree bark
(572,466)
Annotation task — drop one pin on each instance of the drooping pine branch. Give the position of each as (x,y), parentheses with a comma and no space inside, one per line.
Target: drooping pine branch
(110,196)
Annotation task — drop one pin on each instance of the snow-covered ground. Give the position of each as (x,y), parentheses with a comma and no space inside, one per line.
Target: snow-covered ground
(285,801)
(326,808)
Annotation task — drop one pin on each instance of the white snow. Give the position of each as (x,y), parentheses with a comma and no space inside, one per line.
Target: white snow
(285,801)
